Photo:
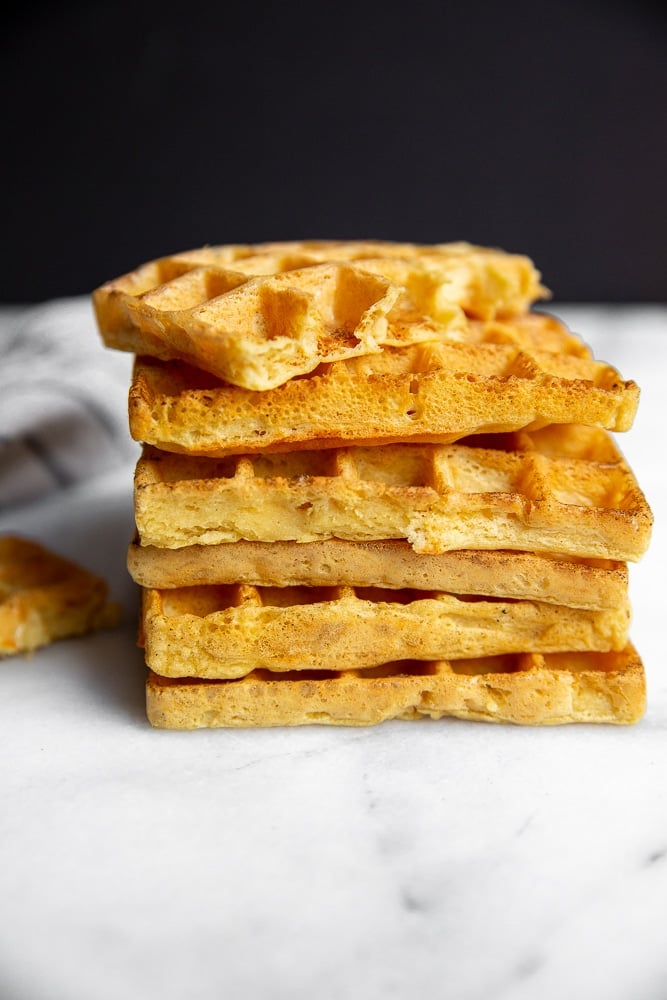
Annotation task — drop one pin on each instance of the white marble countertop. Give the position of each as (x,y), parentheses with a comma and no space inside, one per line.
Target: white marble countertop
(431,859)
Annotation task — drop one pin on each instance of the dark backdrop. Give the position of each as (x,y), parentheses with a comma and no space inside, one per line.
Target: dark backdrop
(135,130)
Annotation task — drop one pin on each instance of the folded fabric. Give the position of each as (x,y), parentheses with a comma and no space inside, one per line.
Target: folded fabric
(63,400)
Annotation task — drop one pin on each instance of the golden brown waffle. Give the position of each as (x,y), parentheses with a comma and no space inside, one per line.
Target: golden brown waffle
(228,631)
(387,563)
(258,316)
(44,597)
(528,689)
(565,489)
(526,373)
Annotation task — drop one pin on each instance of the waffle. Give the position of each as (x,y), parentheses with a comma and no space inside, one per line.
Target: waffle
(228,631)
(527,689)
(258,316)
(504,376)
(563,490)
(44,597)
(393,564)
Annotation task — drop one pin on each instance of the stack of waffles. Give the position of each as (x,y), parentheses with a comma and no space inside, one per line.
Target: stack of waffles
(375,483)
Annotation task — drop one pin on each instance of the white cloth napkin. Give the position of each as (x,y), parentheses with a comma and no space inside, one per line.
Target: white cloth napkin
(63,400)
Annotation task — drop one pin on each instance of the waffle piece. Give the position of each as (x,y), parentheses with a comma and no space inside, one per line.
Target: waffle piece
(506,376)
(44,597)
(564,489)
(257,317)
(593,584)
(523,688)
(228,631)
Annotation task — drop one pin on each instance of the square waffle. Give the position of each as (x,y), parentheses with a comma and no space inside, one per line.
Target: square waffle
(44,597)
(228,631)
(259,316)
(501,377)
(523,688)
(387,563)
(565,489)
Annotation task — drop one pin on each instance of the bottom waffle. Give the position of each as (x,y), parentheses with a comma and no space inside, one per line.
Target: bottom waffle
(525,688)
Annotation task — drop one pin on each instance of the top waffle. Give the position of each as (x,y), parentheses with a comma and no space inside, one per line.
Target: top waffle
(257,316)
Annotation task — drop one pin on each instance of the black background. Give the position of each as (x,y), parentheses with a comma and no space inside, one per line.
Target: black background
(136,130)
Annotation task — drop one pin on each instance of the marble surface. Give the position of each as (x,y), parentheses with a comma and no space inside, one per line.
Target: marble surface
(431,859)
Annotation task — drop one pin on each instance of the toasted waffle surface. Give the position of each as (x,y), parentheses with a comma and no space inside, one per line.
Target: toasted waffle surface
(228,631)
(564,489)
(528,689)
(256,316)
(386,563)
(484,281)
(527,372)
(44,597)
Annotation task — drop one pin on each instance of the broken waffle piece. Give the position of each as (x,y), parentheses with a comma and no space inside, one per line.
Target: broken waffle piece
(523,688)
(45,597)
